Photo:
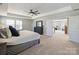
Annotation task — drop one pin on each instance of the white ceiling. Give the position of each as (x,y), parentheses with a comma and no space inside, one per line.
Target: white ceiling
(42,7)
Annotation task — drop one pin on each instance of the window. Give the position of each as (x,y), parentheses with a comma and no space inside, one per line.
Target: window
(10,22)
(18,24)
(15,23)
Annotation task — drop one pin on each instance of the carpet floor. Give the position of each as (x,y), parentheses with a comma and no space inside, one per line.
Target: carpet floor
(58,44)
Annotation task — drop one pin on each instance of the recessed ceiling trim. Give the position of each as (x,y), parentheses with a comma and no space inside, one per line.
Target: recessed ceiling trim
(68,8)
(19,14)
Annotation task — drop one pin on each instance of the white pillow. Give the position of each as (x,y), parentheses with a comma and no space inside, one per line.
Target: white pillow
(9,35)
(5,33)
(2,35)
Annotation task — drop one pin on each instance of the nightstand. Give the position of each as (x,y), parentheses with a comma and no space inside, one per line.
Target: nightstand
(2,48)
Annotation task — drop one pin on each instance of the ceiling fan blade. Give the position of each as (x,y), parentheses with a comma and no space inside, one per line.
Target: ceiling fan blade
(31,10)
(35,14)
(36,11)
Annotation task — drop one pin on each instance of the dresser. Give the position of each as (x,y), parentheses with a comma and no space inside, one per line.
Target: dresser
(38,30)
(2,48)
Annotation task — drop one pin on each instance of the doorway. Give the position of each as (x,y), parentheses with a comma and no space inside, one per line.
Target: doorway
(60,26)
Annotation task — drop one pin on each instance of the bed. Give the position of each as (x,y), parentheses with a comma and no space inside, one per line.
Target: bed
(18,44)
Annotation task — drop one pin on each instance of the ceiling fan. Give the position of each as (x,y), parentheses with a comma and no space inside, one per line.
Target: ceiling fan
(33,12)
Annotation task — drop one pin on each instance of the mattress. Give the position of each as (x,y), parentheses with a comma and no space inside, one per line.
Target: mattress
(25,36)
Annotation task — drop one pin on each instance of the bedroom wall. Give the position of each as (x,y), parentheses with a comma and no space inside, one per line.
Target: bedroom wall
(47,26)
(49,29)
(3,9)
(27,24)
(74,28)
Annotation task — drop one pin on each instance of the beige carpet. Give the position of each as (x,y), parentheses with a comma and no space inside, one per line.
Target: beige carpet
(58,44)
